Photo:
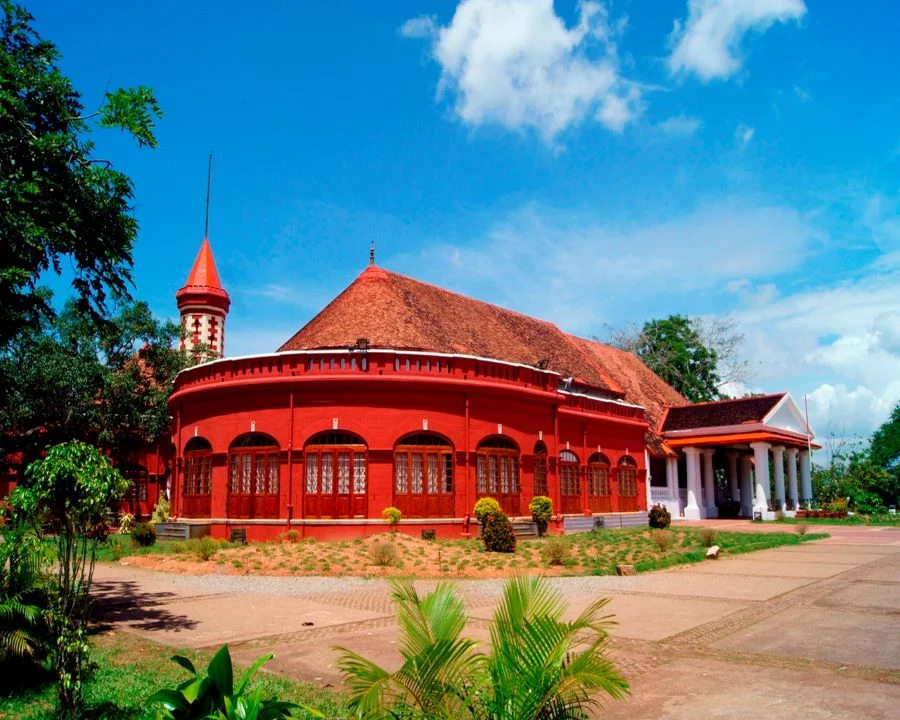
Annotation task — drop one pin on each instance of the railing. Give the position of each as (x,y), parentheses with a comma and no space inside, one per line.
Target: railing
(659,493)
(374,363)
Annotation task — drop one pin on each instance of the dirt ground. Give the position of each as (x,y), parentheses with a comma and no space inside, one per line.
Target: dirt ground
(808,631)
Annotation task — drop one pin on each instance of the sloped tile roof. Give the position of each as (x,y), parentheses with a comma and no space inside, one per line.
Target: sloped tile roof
(642,387)
(396,311)
(204,273)
(720,413)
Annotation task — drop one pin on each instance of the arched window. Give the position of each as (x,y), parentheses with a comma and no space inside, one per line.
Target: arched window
(335,473)
(540,469)
(253,477)
(497,473)
(137,474)
(569,482)
(599,497)
(423,476)
(196,486)
(626,474)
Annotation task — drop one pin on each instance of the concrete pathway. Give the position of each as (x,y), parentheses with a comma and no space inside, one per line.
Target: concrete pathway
(809,631)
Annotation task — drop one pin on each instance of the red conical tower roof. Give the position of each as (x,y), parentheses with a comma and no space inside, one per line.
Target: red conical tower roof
(203,284)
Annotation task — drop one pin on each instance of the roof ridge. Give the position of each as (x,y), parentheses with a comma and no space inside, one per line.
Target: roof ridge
(593,362)
(731,400)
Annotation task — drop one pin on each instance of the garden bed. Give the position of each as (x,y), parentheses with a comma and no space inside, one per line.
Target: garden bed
(396,554)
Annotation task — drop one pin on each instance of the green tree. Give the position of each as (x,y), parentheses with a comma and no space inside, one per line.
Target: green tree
(57,200)
(72,490)
(72,379)
(538,667)
(675,350)
(885,447)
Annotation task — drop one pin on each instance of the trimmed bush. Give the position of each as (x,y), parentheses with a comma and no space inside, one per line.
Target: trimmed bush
(662,539)
(392,517)
(143,534)
(541,508)
(498,534)
(383,554)
(659,517)
(555,551)
(487,506)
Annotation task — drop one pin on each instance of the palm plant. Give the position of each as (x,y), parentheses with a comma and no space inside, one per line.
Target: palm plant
(539,667)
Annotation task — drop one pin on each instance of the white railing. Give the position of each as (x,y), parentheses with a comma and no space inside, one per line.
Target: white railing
(659,493)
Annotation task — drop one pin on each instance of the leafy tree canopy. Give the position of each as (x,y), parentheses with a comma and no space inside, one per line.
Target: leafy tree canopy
(675,349)
(106,385)
(885,448)
(57,200)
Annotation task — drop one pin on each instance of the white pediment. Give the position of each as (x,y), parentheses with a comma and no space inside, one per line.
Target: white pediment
(787,416)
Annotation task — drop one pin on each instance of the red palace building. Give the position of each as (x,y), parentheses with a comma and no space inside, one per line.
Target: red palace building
(399,393)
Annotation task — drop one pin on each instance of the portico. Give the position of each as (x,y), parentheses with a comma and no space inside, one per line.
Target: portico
(739,458)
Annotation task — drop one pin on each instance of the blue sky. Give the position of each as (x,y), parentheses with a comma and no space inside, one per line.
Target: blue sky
(594,164)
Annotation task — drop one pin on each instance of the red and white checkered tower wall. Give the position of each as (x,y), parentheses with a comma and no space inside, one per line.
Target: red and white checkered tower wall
(203,304)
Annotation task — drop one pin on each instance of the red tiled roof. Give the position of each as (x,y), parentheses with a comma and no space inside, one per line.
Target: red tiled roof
(396,311)
(642,387)
(204,273)
(720,413)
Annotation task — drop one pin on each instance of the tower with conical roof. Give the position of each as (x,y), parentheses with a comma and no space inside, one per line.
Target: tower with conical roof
(203,304)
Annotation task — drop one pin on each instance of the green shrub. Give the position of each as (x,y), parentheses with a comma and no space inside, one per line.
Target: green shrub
(498,534)
(383,554)
(659,517)
(662,539)
(126,522)
(160,511)
(708,536)
(838,506)
(486,506)
(555,551)
(206,547)
(144,534)
(290,536)
(541,508)
(867,503)
(214,695)
(392,517)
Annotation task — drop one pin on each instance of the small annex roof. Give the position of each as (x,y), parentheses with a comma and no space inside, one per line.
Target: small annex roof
(395,311)
(720,413)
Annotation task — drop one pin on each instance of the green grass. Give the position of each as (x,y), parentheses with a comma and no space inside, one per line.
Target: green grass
(128,670)
(888,520)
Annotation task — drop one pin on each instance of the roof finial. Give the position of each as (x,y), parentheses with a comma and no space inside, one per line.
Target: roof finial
(208,183)
(372,253)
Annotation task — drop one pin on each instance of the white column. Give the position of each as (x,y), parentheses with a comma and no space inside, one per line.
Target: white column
(733,476)
(692,509)
(709,490)
(648,490)
(746,487)
(761,467)
(672,477)
(806,491)
(792,477)
(778,460)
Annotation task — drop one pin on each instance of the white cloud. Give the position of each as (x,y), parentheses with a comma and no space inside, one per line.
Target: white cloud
(744,134)
(680,126)
(419,27)
(515,63)
(709,42)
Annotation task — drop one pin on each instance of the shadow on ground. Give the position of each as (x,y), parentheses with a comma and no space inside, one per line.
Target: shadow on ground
(124,602)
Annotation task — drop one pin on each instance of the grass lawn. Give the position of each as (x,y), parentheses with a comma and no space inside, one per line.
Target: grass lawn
(887,520)
(397,554)
(129,670)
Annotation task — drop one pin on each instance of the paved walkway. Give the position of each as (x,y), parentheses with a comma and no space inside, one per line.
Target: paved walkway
(809,631)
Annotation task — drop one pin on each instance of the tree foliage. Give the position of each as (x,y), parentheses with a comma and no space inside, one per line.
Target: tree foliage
(697,357)
(57,200)
(538,667)
(885,447)
(71,490)
(72,379)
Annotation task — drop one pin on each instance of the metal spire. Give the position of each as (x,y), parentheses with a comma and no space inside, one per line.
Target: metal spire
(208,183)
(372,253)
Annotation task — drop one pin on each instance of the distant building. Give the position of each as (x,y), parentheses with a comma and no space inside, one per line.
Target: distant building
(400,393)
